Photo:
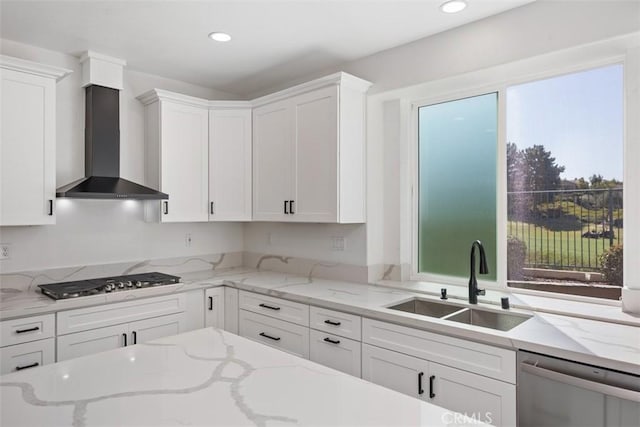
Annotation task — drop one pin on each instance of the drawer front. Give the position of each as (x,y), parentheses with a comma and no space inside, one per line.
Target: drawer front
(336,322)
(461,354)
(275,307)
(28,355)
(26,329)
(335,352)
(123,312)
(275,333)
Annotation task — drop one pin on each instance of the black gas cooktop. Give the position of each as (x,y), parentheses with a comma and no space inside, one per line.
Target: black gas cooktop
(81,288)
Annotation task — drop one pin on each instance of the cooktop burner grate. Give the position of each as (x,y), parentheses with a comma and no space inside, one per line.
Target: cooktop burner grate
(102,285)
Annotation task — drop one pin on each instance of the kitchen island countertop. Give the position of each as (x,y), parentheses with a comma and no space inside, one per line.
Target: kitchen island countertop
(206,377)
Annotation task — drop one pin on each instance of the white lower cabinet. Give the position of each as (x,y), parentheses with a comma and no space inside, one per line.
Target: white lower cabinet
(275,333)
(157,327)
(475,396)
(214,307)
(28,355)
(92,341)
(481,398)
(393,370)
(231,310)
(92,330)
(335,352)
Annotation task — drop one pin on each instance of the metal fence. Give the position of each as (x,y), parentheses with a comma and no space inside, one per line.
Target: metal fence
(566,229)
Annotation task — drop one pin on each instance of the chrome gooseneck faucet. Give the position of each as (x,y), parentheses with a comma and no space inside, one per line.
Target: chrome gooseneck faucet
(473,283)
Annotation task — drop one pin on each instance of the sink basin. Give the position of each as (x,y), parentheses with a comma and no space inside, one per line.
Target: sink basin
(488,319)
(426,307)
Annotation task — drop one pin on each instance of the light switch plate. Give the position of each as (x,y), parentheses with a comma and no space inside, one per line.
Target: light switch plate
(339,243)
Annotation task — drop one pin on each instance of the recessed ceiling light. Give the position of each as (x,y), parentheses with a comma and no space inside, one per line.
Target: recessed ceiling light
(453,6)
(220,37)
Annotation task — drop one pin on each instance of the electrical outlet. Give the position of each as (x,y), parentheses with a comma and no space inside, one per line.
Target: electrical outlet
(338,243)
(4,251)
(187,240)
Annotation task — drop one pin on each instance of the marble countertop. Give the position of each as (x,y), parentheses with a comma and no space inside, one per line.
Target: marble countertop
(206,377)
(614,346)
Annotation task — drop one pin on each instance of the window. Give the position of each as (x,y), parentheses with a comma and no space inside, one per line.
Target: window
(561,220)
(565,183)
(457,183)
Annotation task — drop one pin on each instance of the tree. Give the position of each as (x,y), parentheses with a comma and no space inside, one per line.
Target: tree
(514,175)
(540,170)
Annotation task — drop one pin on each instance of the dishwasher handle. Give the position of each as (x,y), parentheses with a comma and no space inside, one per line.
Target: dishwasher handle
(606,389)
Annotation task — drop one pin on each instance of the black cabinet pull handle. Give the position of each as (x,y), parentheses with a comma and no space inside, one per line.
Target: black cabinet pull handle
(420,389)
(332,341)
(134,335)
(33,365)
(124,337)
(166,207)
(22,331)
(431,393)
(270,307)
(211,208)
(210,303)
(286,212)
(50,207)
(291,211)
(331,322)
(262,334)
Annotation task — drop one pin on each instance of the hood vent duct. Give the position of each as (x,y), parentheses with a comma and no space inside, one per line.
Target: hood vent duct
(102,153)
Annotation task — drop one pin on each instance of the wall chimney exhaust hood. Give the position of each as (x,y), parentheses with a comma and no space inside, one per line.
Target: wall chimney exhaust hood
(102,79)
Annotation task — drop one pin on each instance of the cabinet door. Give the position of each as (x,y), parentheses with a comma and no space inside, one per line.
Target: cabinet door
(157,327)
(231,310)
(184,162)
(399,372)
(481,398)
(27,149)
(230,165)
(93,341)
(214,308)
(335,352)
(28,355)
(316,151)
(273,161)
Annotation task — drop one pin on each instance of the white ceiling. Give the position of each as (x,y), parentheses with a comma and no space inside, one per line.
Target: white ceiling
(273,41)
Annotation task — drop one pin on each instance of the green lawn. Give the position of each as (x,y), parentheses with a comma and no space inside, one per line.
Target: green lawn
(561,249)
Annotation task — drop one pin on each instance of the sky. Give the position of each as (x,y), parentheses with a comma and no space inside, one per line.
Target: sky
(578,117)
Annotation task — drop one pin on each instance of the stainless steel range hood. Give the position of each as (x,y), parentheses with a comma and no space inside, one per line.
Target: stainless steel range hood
(102,148)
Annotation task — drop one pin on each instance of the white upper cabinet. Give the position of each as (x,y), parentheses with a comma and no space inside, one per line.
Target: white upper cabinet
(273,155)
(229,164)
(177,156)
(28,141)
(309,152)
(199,153)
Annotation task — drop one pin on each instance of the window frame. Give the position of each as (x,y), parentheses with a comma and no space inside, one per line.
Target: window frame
(445,91)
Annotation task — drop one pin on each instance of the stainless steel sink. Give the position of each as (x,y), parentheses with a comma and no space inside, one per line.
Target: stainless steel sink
(426,307)
(488,319)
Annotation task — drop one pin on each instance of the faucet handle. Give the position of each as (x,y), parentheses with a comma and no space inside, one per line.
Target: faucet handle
(481,292)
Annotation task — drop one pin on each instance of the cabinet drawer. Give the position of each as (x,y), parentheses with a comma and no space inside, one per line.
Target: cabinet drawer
(275,307)
(336,322)
(335,352)
(275,333)
(26,329)
(113,314)
(462,354)
(28,355)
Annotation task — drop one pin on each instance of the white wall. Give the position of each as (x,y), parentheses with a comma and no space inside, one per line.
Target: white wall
(95,232)
(312,241)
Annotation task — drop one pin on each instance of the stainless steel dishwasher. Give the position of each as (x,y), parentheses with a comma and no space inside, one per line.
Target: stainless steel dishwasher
(560,393)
